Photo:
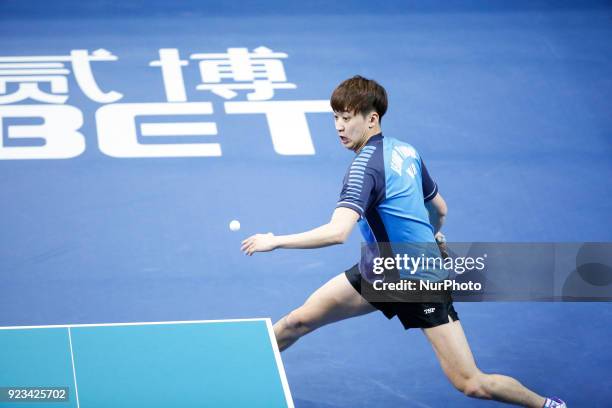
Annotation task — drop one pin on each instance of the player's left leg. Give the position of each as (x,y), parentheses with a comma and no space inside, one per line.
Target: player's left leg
(453,352)
(334,301)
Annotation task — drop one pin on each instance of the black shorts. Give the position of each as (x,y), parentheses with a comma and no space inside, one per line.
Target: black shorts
(411,314)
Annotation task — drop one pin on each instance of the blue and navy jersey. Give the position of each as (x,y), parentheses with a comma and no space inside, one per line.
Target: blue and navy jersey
(388,185)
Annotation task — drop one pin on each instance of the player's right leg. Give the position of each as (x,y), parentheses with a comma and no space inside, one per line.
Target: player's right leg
(335,300)
(453,352)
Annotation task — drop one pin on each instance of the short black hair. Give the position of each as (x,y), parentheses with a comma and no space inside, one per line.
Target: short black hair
(360,95)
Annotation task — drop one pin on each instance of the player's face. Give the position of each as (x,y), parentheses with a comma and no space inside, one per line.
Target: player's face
(352,129)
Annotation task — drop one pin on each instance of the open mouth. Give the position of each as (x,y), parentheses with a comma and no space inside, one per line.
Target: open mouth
(344,140)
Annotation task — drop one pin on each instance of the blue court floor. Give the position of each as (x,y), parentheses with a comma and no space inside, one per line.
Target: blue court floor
(106,216)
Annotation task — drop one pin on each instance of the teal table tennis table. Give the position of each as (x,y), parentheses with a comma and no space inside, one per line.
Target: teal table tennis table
(220,363)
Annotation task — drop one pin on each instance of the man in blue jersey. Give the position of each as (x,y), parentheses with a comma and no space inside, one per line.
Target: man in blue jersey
(389,193)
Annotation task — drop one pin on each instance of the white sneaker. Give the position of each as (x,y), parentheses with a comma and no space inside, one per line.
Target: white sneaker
(554,403)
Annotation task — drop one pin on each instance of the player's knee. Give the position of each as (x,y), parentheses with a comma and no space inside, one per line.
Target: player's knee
(298,322)
(472,384)
(475,386)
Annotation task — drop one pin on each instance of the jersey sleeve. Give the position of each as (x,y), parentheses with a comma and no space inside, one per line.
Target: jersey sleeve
(364,182)
(430,188)
(357,190)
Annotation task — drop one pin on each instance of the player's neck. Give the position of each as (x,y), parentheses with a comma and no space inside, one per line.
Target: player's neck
(369,133)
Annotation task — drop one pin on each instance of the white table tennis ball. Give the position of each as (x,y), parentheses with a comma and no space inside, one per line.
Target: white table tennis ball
(234,225)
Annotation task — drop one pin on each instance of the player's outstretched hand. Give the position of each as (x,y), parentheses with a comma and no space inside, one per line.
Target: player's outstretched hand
(258,243)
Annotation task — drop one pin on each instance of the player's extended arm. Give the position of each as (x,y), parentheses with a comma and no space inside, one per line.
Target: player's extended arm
(437,212)
(336,231)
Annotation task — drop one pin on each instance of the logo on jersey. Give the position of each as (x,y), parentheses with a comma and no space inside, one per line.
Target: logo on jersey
(399,154)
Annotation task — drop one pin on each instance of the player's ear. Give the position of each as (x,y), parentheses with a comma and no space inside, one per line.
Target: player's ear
(373,119)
